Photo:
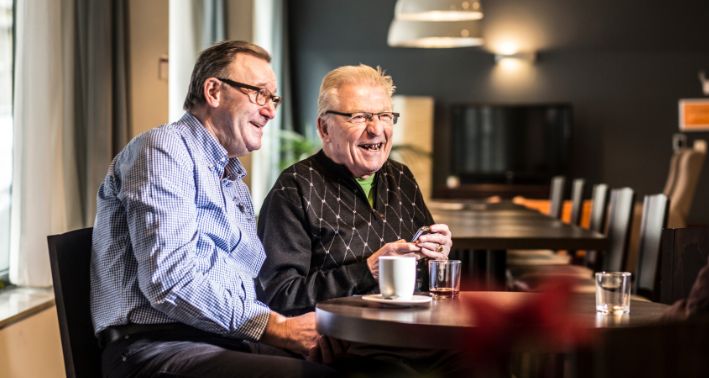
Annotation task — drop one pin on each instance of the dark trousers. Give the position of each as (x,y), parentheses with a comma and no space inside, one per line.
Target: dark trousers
(149,356)
(366,360)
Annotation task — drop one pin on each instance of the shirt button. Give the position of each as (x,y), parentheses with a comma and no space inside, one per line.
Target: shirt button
(241,207)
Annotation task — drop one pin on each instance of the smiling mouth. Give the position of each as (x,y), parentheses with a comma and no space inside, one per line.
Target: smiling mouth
(372,146)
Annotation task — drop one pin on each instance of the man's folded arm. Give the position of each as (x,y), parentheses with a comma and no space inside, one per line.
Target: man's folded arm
(288,284)
(162,218)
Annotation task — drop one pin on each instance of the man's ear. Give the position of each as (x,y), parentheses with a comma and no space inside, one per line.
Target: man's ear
(212,92)
(322,130)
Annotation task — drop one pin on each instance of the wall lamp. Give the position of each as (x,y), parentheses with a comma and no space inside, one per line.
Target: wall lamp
(528,57)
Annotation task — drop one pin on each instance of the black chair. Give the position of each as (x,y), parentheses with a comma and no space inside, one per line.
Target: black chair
(620,219)
(654,220)
(528,258)
(556,196)
(70,258)
(683,253)
(685,180)
(612,259)
(597,221)
(577,188)
(599,207)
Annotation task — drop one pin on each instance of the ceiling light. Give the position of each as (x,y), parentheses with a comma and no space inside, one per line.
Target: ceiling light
(434,34)
(438,10)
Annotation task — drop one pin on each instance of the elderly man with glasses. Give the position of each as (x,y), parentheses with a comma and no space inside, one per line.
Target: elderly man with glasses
(175,251)
(329,218)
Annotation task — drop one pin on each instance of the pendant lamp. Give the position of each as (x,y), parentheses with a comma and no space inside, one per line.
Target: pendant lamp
(438,10)
(427,34)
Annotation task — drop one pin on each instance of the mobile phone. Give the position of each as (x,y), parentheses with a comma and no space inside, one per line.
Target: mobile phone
(422,230)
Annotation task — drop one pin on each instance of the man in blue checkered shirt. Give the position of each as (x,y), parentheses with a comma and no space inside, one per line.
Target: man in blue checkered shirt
(175,250)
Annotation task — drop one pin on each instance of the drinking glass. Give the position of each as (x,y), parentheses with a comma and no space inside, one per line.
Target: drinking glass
(613,292)
(444,278)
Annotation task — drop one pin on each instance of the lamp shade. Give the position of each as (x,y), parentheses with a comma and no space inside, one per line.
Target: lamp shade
(428,34)
(438,10)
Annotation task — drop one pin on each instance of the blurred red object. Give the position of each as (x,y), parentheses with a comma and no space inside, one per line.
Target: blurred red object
(544,322)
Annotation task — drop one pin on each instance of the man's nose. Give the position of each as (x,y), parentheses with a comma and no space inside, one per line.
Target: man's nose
(375,126)
(268,110)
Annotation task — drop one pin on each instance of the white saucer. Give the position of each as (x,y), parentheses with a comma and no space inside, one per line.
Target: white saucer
(414,300)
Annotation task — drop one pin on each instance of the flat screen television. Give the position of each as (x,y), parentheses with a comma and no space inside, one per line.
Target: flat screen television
(510,144)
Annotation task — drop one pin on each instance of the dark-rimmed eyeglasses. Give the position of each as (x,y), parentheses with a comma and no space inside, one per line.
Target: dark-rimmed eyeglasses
(362,118)
(263,95)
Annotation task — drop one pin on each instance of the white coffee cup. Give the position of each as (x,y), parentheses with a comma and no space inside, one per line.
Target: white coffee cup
(397,276)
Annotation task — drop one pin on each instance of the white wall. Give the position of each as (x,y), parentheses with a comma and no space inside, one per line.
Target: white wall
(415,128)
(148,42)
(240,26)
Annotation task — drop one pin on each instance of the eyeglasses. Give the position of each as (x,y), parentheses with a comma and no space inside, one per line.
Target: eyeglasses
(362,117)
(263,95)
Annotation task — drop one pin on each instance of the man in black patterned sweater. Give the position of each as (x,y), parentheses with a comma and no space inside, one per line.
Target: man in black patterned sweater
(329,218)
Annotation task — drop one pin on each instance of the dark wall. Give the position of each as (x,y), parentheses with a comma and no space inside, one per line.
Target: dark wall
(622,64)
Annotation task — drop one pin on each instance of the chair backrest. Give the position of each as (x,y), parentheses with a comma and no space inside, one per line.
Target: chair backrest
(577,200)
(70,258)
(689,168)
(556,196)
(654,220)
(599,202)
(684,251)
(672,173)
(620,219)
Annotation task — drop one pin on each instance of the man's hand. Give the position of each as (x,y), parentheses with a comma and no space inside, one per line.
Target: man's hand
(328,350)
(437,243)
(297,333)
(397,248)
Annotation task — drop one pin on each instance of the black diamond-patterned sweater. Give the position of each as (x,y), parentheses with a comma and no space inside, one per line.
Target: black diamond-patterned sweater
(318,230)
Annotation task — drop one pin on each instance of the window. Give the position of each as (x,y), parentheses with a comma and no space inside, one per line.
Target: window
(6,62)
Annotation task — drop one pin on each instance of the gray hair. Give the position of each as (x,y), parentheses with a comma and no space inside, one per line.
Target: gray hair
(361,74)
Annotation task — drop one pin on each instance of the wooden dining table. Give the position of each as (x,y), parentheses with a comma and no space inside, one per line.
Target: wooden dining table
(636,344)
(482,233)
(441,323)
(503,226)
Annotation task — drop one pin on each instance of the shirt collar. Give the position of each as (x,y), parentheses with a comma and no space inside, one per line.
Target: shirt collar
(230,168)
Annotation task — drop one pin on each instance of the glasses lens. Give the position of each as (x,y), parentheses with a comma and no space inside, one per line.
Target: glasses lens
(276,101)
(386,117)
(263,96)
(360,118)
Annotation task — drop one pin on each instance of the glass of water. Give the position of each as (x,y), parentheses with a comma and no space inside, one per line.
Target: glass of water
(613,292)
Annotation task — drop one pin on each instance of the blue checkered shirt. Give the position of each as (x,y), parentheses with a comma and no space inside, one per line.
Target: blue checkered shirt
(175,237)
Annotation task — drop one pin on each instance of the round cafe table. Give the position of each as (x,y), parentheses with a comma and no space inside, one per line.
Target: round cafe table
(441,323)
